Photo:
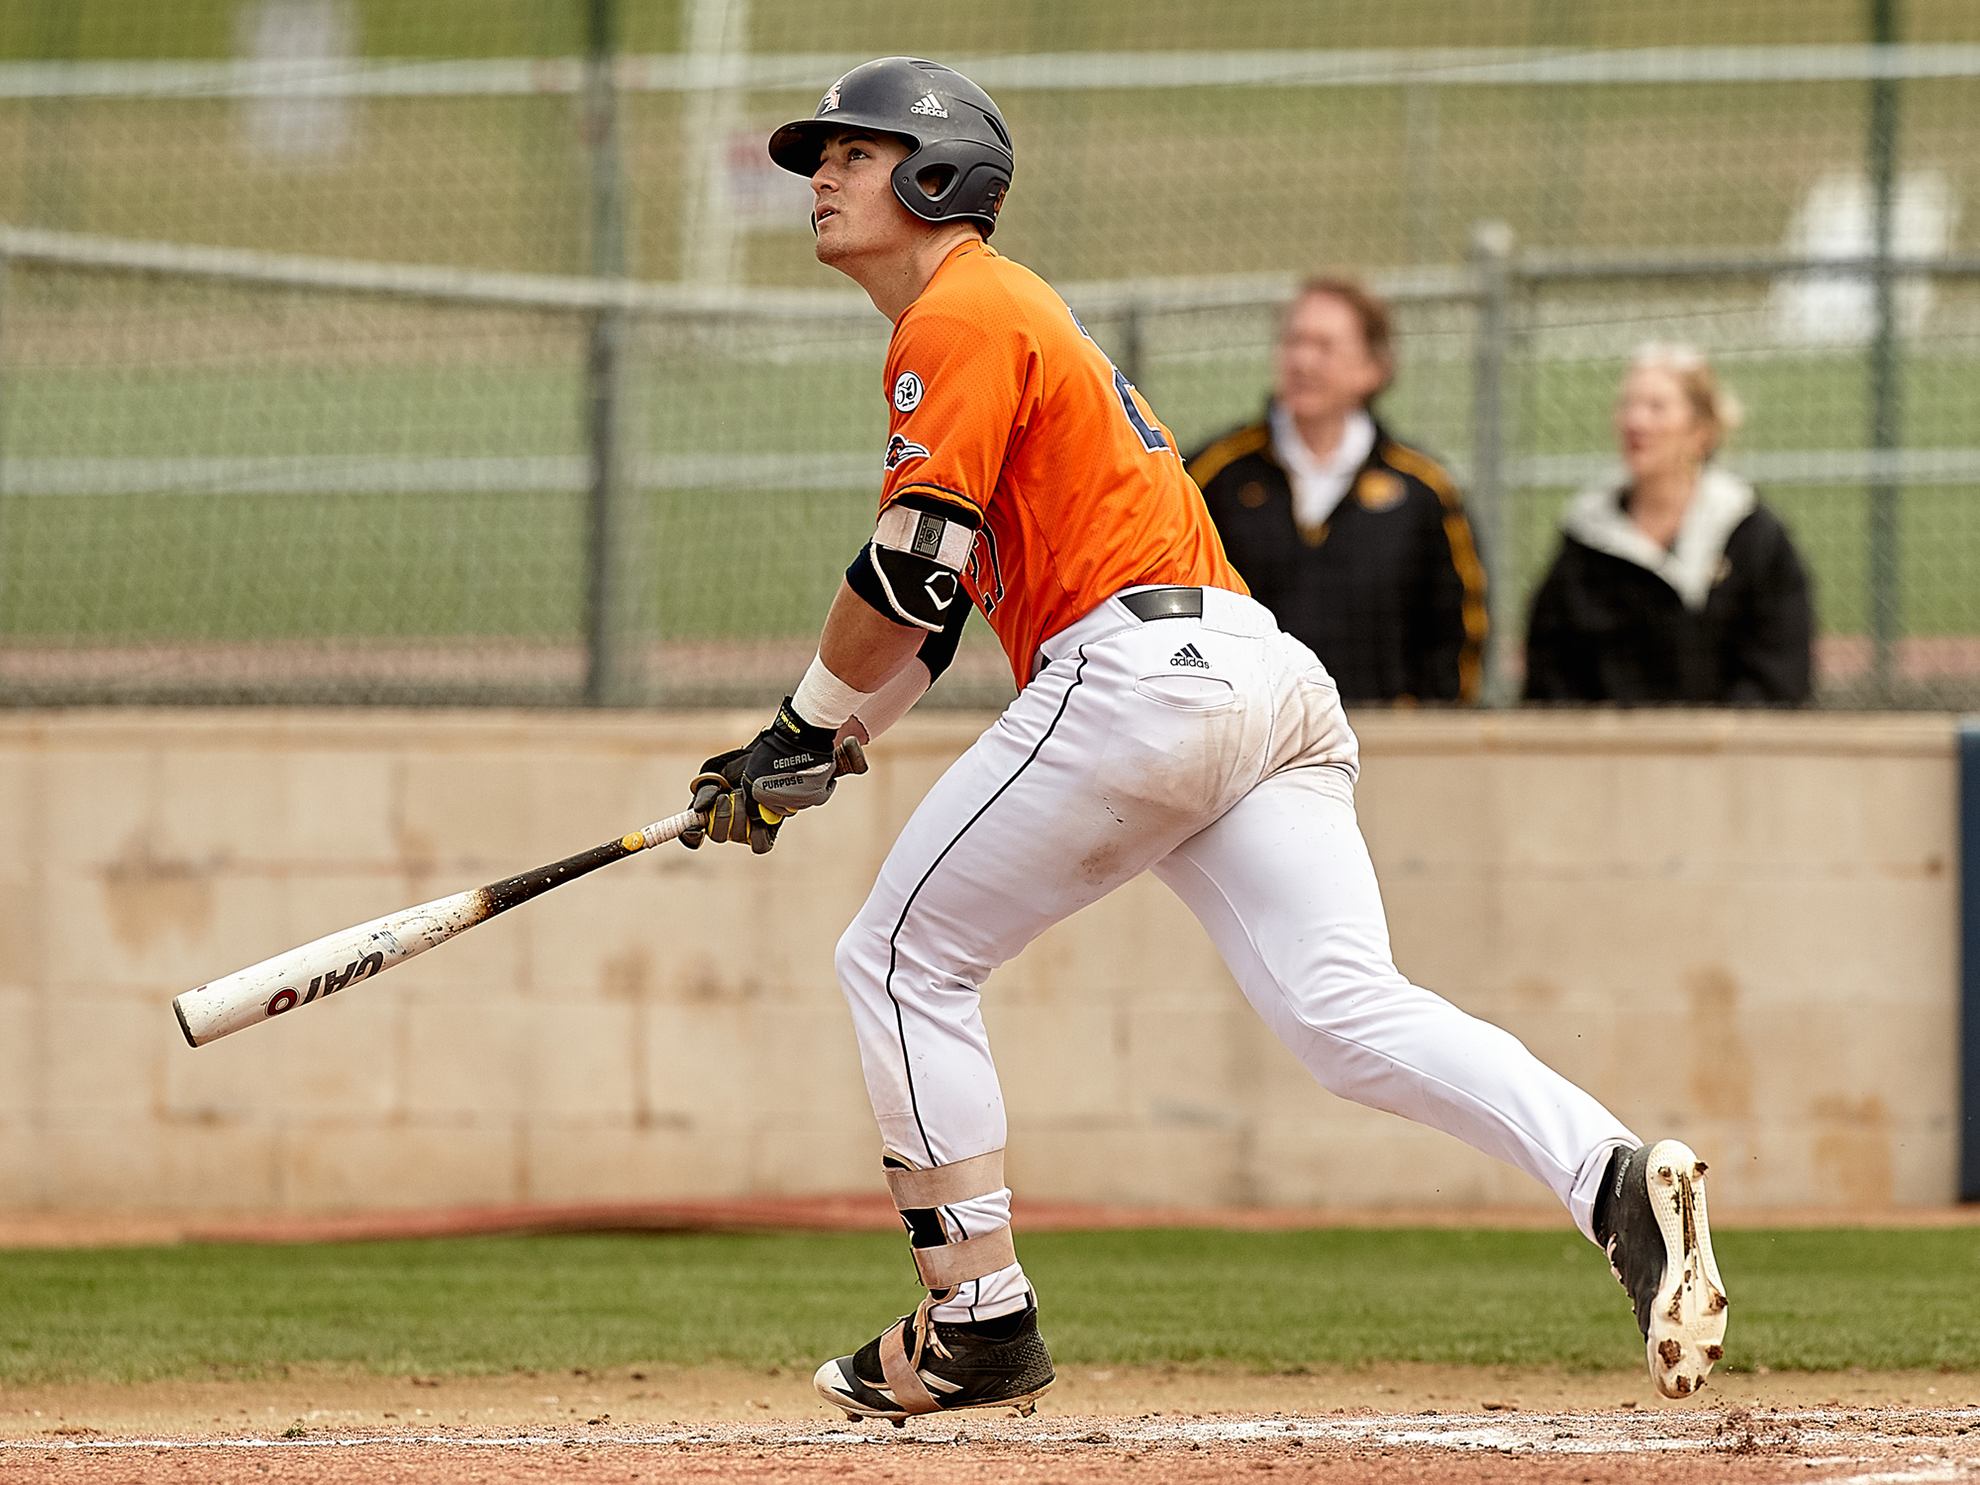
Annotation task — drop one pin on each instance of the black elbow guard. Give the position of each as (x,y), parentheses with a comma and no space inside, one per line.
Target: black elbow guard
(865,580)
(940,648)
(912,569)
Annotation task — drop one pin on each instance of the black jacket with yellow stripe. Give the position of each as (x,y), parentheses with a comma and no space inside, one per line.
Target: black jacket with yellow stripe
(1388,591)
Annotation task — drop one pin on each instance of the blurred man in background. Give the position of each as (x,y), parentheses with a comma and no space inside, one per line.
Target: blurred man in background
(1357,542)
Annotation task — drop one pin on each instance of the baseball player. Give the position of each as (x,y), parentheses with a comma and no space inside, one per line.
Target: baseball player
(1163,723)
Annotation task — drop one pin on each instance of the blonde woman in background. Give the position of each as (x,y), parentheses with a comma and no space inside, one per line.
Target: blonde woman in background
(1675,586)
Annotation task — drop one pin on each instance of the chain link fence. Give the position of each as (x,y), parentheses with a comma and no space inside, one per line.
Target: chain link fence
(476,353)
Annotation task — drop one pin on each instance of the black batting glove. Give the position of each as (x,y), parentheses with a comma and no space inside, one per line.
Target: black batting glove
(790,765)
(746,794)
(721,798)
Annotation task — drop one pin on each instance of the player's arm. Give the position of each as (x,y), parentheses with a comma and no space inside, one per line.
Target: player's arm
(861,648)
(910,683)
(896,621)
(900,608)
(958,388)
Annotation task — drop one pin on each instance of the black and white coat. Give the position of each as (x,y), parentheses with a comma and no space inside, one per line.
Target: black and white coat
(1721,618)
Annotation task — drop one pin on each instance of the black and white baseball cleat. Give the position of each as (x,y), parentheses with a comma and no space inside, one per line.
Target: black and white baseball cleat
(918,1365)
(1651,1222)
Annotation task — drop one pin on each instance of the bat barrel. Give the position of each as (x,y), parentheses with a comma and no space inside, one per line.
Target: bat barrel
(319,970)
(332,963)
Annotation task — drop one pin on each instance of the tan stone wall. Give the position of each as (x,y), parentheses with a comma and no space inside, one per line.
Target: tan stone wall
(1736,929)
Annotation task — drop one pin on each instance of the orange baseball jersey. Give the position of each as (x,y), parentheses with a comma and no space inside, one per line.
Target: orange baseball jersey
(1004,405)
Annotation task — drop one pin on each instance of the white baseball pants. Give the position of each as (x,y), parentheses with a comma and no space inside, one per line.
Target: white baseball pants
(1214,752)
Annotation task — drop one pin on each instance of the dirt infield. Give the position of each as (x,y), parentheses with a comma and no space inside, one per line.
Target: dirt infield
(1416,1423)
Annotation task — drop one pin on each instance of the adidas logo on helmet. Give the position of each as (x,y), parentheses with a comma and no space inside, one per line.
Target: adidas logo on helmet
(1189,655)
(931,106)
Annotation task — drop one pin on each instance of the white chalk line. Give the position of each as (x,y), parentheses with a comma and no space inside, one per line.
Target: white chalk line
(1546,1434)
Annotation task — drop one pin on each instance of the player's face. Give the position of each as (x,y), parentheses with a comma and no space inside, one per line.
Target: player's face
(853,202)
(1659,432)
(1323,368)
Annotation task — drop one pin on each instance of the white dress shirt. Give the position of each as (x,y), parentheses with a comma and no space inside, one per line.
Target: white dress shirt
(1319,485)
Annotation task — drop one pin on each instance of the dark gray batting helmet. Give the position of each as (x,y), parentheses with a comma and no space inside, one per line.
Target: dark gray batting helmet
(954,131)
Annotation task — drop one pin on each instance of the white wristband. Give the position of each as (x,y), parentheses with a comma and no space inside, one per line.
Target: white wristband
(891,702)
(824,700)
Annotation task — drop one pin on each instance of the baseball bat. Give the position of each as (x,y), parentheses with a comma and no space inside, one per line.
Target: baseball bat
(339,960)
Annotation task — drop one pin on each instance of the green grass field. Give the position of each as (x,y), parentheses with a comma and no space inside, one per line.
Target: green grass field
(1272,1302)
(198,565)
(1113,183)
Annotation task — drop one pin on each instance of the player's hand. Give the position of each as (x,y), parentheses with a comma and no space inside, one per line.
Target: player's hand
(724,806)
(790,765)
(746,794)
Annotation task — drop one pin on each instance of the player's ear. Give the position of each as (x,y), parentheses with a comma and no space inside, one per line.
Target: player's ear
(936,181)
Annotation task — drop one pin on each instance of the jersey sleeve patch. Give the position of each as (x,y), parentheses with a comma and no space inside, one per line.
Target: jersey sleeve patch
(959,390)
(901,449)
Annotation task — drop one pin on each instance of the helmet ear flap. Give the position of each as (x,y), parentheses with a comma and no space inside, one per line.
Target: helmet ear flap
(967,187)
(984,185)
